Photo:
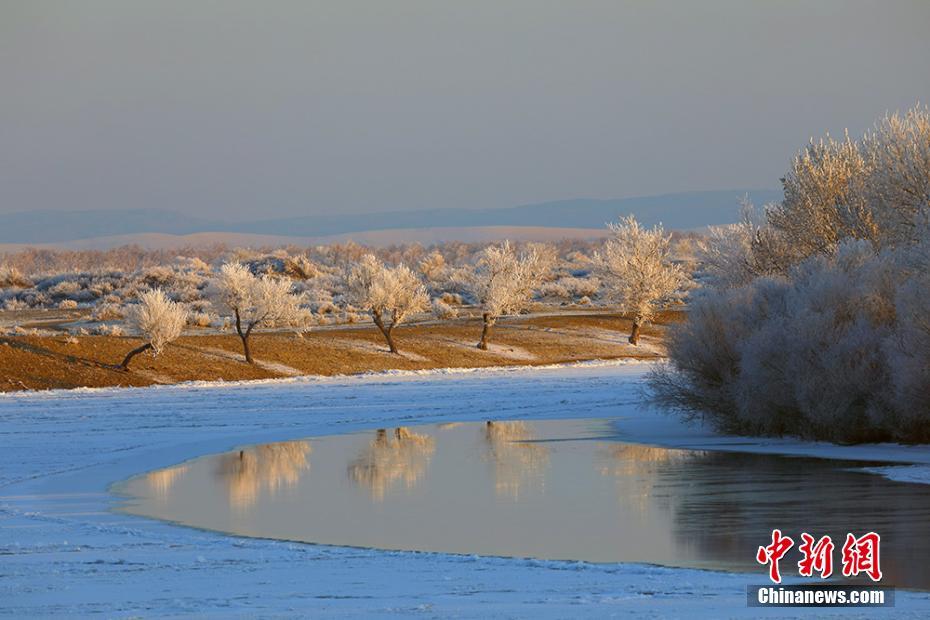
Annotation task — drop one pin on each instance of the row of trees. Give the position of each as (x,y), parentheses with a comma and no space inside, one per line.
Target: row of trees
(635,262)
(814,322)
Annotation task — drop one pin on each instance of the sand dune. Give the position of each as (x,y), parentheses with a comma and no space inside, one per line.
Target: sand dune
(372,237)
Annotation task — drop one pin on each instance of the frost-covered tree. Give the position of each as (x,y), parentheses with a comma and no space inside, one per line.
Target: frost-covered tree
(823,201)
(636,268)
(876,188)
(502,282)
(389,294)
(897,189)
(158,320)
(819,328)
(258,301)
(433,266)
(734,254)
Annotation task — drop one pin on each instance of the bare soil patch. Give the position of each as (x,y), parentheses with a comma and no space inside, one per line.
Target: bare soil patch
(48,362)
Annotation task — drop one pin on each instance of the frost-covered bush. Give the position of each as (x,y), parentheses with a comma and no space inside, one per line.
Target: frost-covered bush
(815,320)
(67,304)
(194,264)
(105,329)
(18,330)
(200,319)
(184,281)
(327,307)
(14,304)
(433,267)
(66,288)
(11,277)
(108,311)
(442,310)
(839,349)
(809,355)
(569,288)
(281,263)
(201,305)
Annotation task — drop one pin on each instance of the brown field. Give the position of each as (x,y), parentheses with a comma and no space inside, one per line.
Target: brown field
(49,362)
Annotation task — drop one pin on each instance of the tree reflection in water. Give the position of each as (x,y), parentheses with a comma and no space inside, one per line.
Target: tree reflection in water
(635,467)
(161,481)
(402,456)
(268,467)
(518,461)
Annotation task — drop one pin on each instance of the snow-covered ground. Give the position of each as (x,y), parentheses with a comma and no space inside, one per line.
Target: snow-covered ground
(63,552)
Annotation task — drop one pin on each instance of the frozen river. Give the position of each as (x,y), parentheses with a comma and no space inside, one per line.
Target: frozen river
(66,550)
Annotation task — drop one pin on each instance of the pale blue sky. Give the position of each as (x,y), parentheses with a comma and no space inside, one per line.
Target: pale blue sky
(282,108)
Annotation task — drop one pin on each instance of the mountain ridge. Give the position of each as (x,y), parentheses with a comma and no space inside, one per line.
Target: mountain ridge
(680,211)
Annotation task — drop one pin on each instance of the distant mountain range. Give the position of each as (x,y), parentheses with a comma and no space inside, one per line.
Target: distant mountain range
(681,211)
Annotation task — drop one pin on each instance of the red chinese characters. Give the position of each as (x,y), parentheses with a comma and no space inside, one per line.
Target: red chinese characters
(817,556)
(773,553)
(860,555)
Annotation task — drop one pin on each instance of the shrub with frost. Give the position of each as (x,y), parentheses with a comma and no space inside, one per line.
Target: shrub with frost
(815,320)
(11,277)
(729,255)
(65,288)
(804,355)
(106,329)
(433,267)
(14,304)
(159,322)
(108,311)
(442,310)
(200,319)
(569,288)
(388,294)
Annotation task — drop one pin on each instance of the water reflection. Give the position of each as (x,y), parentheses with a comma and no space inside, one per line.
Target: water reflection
(557,489)
(161,481)
(401,456)
(734,500)
(518,462)
(634,468)
(268,467)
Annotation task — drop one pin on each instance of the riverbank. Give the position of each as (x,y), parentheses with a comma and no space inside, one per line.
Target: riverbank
(40,362)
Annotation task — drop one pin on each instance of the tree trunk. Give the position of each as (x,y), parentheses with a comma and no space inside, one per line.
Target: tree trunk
(125,365)
(245,348)
(634,335)
(387,332)
(485,332)
(244,336)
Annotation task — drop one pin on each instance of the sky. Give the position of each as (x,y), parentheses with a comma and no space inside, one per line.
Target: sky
(240,109)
